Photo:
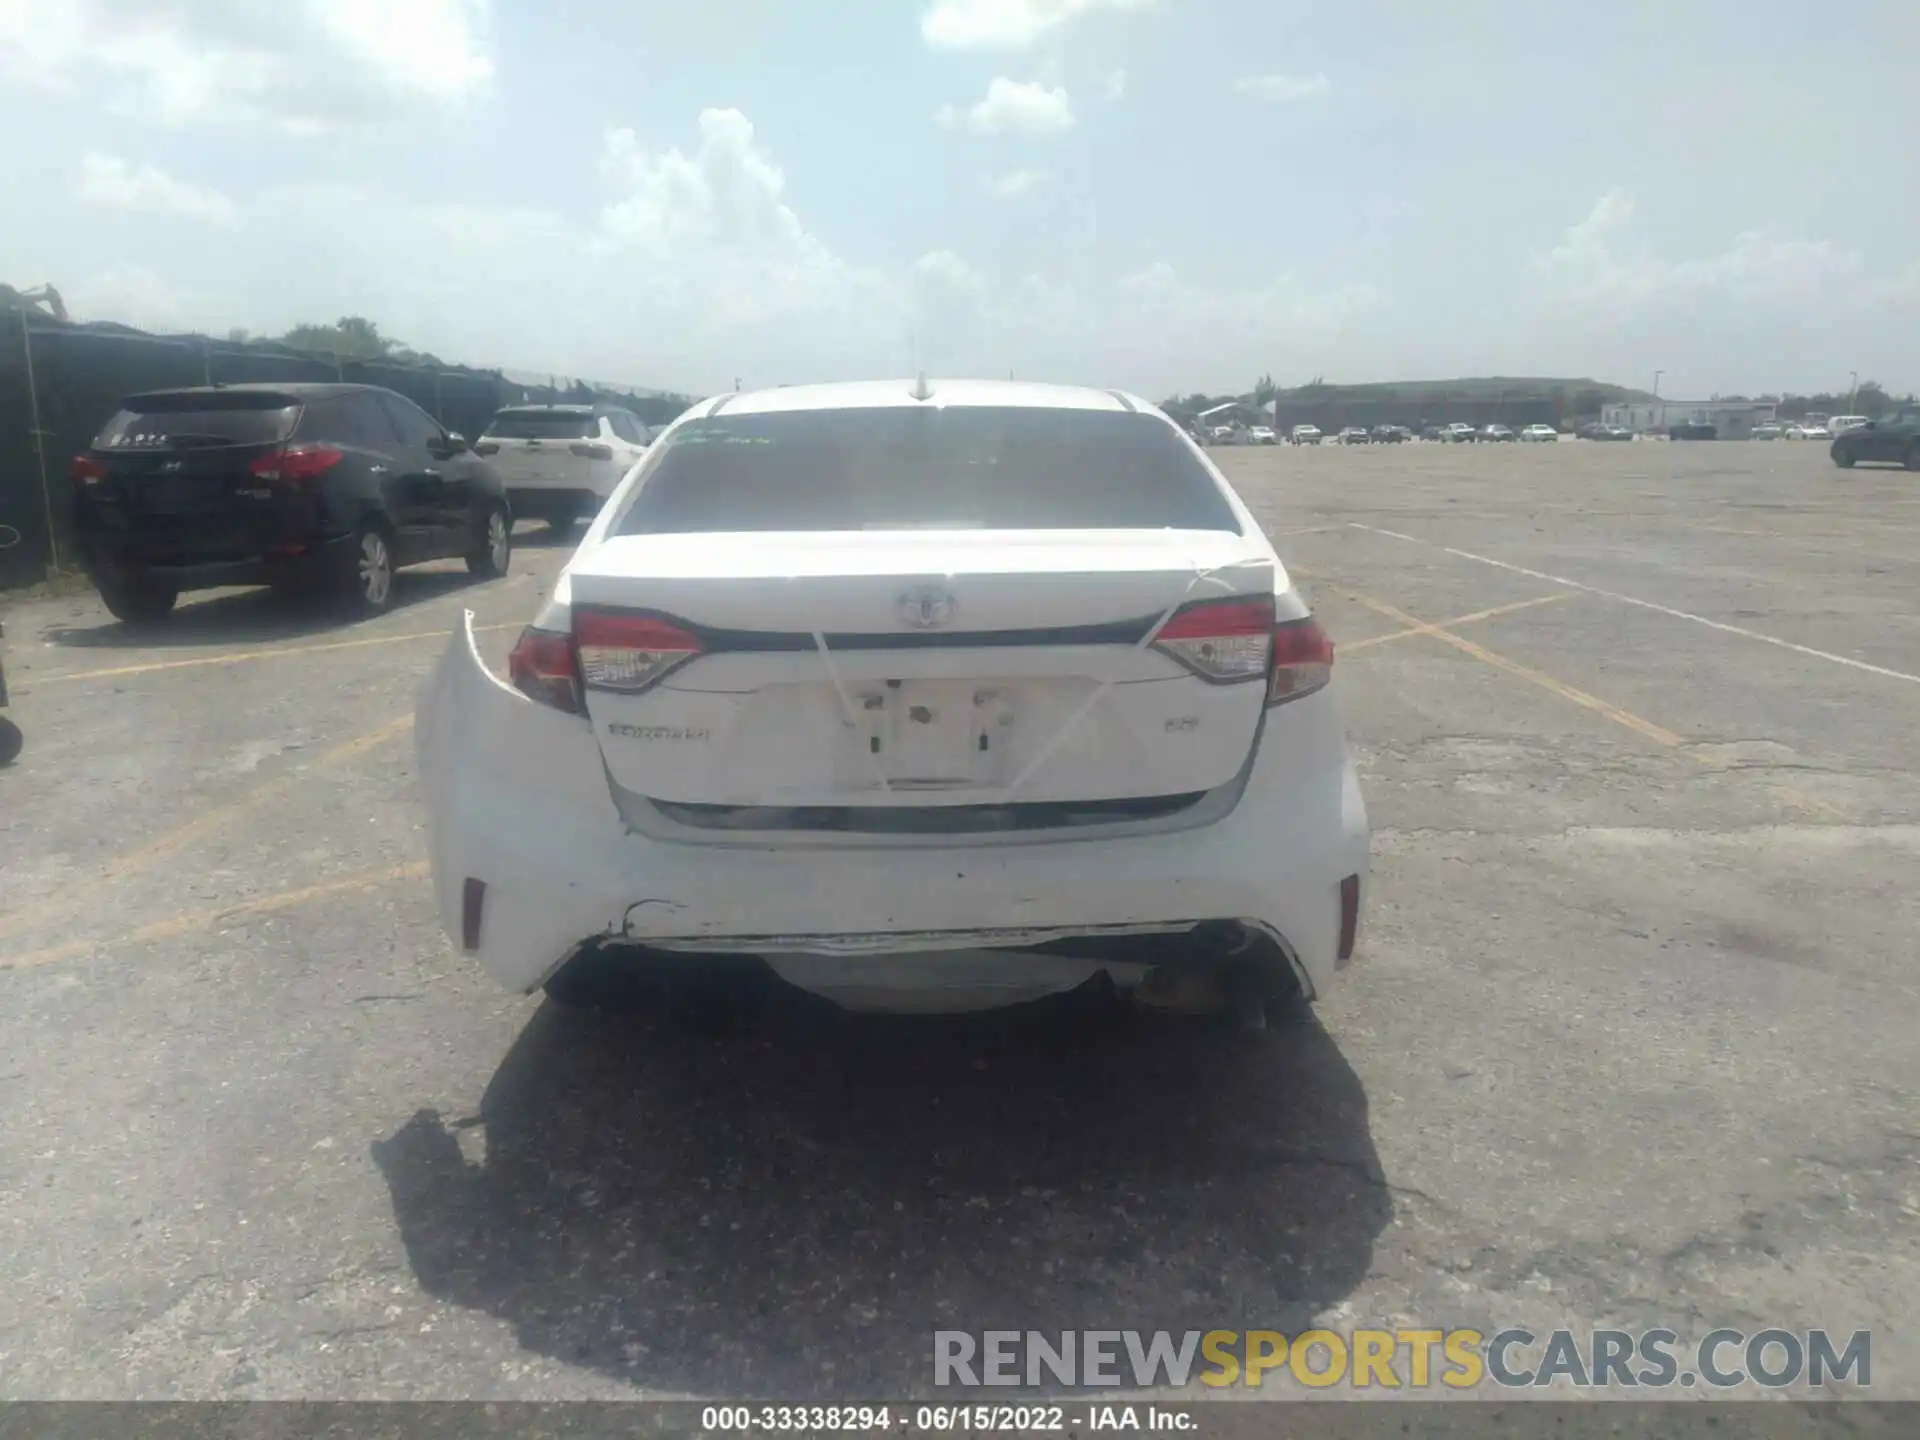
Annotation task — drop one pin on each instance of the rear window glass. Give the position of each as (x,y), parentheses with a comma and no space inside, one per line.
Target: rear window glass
(542,425)
(964,468)
(178,421)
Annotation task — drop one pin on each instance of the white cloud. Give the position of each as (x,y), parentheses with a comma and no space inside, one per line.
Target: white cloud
(1016,183)
(1116,84)
(1012,106)
(1284,88)
(1603,263)
(697,266)
(113,184)
(306,66)
(1007,24)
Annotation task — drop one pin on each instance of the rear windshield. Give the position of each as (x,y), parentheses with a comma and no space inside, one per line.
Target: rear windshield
(964,468)
(542,425)
(179,421)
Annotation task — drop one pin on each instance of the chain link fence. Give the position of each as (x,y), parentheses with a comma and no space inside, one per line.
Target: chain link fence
(59,383)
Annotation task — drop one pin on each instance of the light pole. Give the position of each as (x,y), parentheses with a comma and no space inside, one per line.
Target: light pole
(1653,413)
(1853,394)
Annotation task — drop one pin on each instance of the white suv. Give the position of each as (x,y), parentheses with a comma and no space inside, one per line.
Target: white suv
(560,462)
(929,696)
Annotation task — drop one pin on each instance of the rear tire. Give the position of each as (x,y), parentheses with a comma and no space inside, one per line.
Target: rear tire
(366,573)
(138,602)
(562,518)
(493,552)
(10,741)
(1912,458)
(1843,458)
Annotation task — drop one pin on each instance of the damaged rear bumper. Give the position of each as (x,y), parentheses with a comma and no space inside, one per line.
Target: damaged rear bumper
(531,858)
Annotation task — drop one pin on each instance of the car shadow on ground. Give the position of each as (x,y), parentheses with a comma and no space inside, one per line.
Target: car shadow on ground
(791,1206)
(538,535)
(239,617)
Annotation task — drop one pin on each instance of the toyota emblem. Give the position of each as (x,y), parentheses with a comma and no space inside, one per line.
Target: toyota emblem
(927,609)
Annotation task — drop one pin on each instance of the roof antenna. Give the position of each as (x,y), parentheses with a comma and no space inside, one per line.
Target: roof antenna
(922,390)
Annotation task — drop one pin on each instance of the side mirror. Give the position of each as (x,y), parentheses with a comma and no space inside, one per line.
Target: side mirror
(456,443)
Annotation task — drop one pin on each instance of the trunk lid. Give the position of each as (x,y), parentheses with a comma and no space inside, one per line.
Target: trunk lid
(920,668)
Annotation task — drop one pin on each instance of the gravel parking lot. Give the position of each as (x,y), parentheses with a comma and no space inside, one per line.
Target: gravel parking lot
(1631,1038)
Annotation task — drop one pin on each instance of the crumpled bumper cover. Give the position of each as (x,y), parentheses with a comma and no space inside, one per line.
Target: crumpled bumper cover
(518,799)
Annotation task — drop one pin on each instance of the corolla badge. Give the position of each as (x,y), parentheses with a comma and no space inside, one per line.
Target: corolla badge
(927,609)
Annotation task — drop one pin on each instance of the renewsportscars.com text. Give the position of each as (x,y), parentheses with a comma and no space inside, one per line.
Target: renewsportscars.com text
(1415,1359)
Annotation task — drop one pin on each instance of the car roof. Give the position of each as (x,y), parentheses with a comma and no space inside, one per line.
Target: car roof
(569,409)
(882,394)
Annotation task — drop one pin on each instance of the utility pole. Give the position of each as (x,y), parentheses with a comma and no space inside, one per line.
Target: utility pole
(1853,394)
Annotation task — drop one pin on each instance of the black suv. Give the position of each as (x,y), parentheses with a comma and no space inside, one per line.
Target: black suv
(329,486)
(1892,439)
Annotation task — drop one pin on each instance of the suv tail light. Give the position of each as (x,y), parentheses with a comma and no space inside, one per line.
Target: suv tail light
(592,452)
(485,447)
(85,470)
(296,465)
(542,667)
(1302,660)
(629,653)
(1222,641)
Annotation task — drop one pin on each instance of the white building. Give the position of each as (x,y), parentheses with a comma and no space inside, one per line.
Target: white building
(1731,419)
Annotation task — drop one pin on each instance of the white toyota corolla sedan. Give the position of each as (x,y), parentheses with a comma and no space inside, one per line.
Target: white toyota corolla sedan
(930,695)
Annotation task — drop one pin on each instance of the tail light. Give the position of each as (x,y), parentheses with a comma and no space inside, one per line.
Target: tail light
(629,653)
(1222,641)
(296,465)
(592,452)
(1302,660)
(542,667)
(485,447)
(85,470)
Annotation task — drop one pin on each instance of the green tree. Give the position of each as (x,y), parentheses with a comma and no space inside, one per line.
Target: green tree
(1264,390)
(351,337)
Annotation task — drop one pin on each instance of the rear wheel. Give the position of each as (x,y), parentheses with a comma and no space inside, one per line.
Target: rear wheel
(138,601)
(1843,457)
(1912,458)
(493,552)
(561,518)
(366,576)
(10,741)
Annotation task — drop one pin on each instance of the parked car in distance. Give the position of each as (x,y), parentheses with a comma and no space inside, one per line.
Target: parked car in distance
(1814,430)
(561,462)
(1306,435)
(332,486)
(1840,424)
(1766,432)
(1391,434)
(1613,432)
(1433,432)
(667,730)
(1459,433)
(1891,440)
(1497,434)
(1262,435)
(1353,435)
(1538,434)
(1693,430)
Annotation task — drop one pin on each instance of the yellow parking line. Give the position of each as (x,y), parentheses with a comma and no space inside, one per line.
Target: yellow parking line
(235,657)
(1659,734)
(1656,733)
(207,821)
(1351,646)
(191,920)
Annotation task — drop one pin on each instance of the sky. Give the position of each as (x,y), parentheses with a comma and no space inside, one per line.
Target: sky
(1162,195)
